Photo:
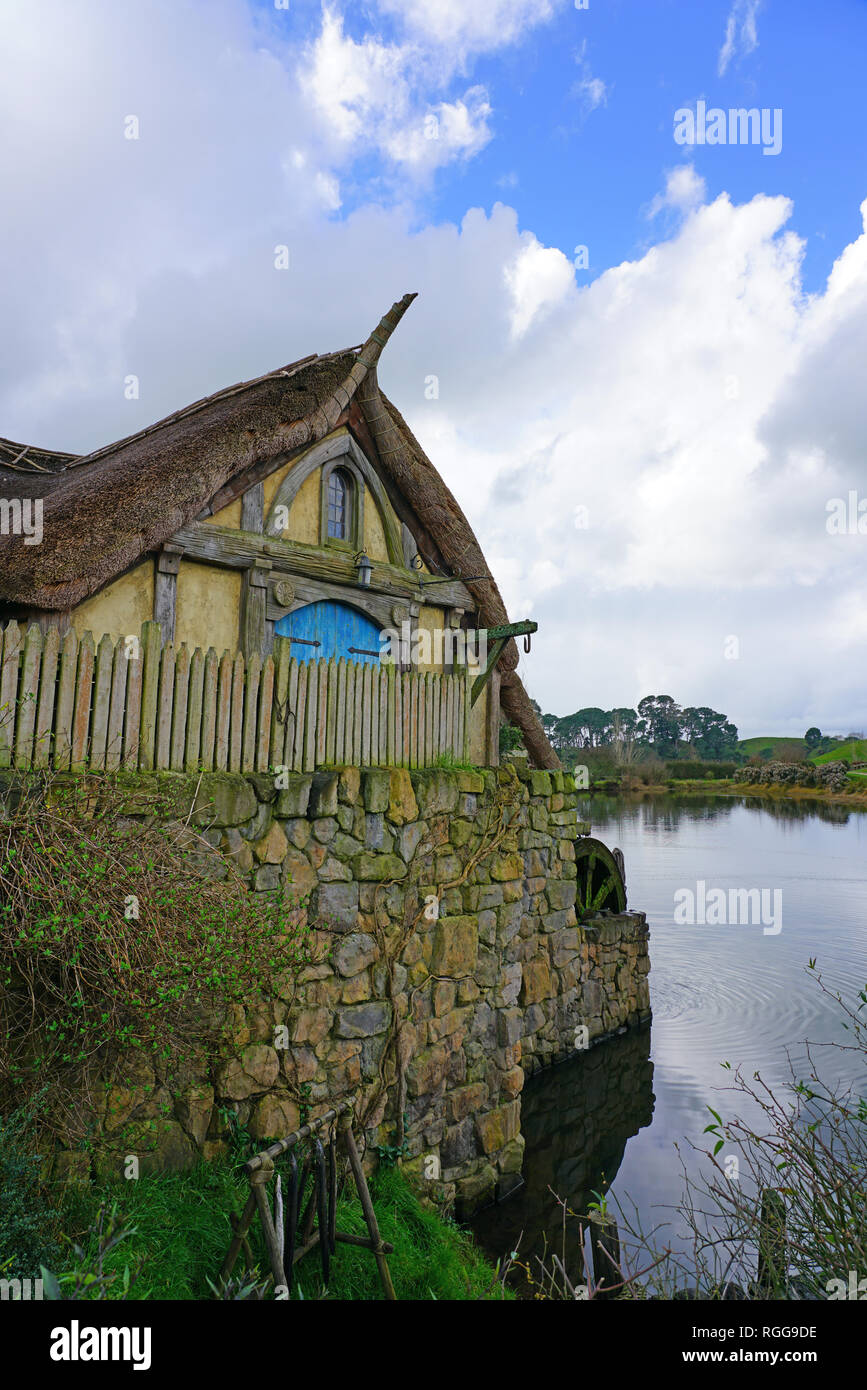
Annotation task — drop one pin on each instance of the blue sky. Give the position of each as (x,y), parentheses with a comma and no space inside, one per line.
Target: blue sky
(587,176)
(647,448)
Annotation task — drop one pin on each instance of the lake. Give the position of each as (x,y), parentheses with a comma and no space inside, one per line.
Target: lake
(735,993)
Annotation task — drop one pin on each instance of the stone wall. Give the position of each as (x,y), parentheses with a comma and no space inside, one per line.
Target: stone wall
(488,979)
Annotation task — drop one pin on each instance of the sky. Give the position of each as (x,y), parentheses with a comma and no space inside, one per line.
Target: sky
(637,356)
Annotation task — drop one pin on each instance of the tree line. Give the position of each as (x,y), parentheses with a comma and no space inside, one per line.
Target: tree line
(659,724)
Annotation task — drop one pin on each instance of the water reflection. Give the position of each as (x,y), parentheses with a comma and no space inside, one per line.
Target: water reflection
(667,810)
(719,993)
(576,1119)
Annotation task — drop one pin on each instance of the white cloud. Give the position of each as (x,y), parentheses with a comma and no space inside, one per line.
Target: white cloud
(370,95)
(471,26)
(684,190)
(538,278)
(592,90)
(741,36)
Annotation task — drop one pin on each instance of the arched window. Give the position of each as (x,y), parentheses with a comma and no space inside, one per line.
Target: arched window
(339,505)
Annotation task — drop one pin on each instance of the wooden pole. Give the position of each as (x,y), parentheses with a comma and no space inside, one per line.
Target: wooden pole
(258,1182)
(367,1207)
(240,1226)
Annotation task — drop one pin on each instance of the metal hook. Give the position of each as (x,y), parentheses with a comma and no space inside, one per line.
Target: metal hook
(527,641)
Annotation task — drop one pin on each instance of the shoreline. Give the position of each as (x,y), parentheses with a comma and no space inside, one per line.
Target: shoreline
(857,800)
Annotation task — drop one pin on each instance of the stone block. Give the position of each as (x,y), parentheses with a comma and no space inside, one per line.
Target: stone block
(408,838)
(332,871)
(368,867)
(273,1117)
(335,906)
(224,798)
(298,873)
(498,1127)
(324,829)
(271,849)
(354,953)
(468,781)
(506,867)
(324,790)
(402,805)
(349,785)
(311,1026)
(376,788)
(293,799)
(464,1101)
(510,1026)
(436,791)
(256,1069)
(540,783)
(459,1144)
(455,946)
(363,1020)
(560,894)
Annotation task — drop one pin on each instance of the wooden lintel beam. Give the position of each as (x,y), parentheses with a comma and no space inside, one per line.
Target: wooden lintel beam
(234,549)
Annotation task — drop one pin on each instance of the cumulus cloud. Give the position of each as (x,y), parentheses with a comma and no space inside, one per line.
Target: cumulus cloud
(646,459)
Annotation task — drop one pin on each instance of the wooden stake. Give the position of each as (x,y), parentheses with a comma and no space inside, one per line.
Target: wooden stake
(367,1206)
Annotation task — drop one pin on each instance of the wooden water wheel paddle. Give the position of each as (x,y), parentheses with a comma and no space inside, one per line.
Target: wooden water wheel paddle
(600,886)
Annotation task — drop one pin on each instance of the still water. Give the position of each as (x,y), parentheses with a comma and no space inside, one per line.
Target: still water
(719,993)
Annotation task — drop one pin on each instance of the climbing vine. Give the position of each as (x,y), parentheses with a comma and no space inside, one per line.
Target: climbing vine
(118,940)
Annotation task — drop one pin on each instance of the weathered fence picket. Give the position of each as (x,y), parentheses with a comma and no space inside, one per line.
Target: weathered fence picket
(74,704)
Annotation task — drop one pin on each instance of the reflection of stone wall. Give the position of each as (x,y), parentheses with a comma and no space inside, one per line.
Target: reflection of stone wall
(490,989)
(576,1120)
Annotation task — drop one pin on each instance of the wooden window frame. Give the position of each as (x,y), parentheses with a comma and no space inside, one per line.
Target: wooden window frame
(354,505)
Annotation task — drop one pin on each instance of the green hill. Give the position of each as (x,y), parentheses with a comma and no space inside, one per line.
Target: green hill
(855,750)
(766,745)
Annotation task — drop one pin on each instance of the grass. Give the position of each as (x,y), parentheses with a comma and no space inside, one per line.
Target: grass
(855,750)
(180,1234)
(754,746)
(450,763)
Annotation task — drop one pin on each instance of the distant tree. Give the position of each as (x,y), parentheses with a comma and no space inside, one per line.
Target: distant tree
(813,737)
(662,716)
(708,733)
(625,730)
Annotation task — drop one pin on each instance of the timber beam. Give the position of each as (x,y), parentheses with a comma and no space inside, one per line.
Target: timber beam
(233,549)
(497,637)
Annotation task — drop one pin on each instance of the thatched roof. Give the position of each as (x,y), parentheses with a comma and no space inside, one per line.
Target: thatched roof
(105,511)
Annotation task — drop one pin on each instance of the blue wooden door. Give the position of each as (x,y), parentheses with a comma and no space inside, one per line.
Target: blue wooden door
(325,629)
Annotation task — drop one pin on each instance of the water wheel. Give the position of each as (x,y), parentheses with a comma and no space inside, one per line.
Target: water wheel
(601,886)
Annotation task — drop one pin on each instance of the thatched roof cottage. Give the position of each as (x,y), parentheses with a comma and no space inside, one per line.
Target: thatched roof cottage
(298,505)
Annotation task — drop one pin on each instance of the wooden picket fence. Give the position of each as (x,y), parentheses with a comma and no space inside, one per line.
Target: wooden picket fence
(75,705)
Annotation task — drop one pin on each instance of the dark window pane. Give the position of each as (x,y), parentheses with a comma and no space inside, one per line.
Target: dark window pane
(337,506)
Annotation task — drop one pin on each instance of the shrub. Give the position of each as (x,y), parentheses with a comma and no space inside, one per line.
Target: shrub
(682,771)
(85,980)
(833,776)
(26,1236)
